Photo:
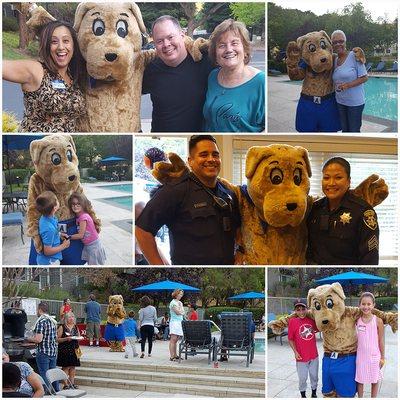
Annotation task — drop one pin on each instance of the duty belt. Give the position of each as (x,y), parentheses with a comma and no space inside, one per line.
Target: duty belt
(339,355)
(317,99)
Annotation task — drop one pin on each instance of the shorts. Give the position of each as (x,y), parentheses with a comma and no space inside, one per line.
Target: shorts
(312,117)
(93,330)
(339,375)
(175,328)
(94,253)
(114,332)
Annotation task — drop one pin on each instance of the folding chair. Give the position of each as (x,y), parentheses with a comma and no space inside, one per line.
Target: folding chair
(236,336)
(14,219)
(197,339)
(47,389)
(57,374)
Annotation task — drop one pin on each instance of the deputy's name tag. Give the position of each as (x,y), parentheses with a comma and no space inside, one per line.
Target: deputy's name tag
(58,84)
(200,205)
(361,328)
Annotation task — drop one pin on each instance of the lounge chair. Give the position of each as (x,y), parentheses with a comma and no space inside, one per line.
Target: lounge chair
(380,67)
(14,219)
(272,317)
(368,66)
(197,339)
(236,336)
(393,68)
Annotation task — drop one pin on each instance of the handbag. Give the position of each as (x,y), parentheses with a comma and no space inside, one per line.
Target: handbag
(78,352)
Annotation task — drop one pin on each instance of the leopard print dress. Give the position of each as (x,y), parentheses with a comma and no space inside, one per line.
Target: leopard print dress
(49,109)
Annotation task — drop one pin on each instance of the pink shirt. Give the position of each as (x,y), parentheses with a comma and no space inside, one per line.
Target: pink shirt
(301,331)
(91,234)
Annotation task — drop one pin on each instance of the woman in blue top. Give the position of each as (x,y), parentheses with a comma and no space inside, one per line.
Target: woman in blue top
(349,76)
(235,100)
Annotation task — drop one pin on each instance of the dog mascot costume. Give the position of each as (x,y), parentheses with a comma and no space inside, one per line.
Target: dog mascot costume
(110,40)
(310,59)
(337,323)
(114,332)
(275,202)
(56,169)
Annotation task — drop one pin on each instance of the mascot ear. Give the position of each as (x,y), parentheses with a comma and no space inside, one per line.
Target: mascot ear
(36,147)
(80,12)
(337,288)
(138,15)
(71,142)
(311,293)
(304,154)
(254,156)
(326,36)
(110,298)
(300,41)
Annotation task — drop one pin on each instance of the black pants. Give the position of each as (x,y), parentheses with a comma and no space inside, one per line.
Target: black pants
(146,332)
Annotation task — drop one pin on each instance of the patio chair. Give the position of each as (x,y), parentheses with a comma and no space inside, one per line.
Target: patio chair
(14,219)
(197,339)
(393,68)
(236,336)
(272,317)
(380,67)
(368,66)
(57,374)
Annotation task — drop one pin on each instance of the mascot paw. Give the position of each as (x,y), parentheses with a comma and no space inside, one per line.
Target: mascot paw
(39,18)
(293,54)
(195,47)
(166,172)
(276,327)
(373,190)
(359,53)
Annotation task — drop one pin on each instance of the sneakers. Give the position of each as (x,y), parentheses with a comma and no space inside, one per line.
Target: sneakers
(303,394)
(314,393)
(126,355)
(97,344)
(91,343)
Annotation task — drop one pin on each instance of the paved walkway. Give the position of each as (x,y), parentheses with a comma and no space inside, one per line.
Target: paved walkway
(116,234)
(282,104)
(282,376)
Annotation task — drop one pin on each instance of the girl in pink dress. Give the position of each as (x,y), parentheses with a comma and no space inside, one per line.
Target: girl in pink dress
(93,252)
(370,349)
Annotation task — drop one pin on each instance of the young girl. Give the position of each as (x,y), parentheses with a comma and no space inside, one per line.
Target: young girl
(93,252)
(370,349)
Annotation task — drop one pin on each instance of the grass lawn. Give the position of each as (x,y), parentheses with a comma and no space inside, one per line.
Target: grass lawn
(11,51)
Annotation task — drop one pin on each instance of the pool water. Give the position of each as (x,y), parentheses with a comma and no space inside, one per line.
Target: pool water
(123,187)
(122,202)
(380,97)
(259,345)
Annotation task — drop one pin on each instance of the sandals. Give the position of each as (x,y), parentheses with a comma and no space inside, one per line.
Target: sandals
(142,355)
(172,359)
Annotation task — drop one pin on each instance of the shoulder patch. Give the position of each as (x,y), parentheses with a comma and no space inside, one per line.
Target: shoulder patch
(370,219)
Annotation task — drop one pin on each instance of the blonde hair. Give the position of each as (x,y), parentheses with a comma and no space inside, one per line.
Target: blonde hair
(237,27)
(67,315)
(176,292)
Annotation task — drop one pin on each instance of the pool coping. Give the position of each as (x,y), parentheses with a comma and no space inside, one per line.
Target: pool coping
(107,200)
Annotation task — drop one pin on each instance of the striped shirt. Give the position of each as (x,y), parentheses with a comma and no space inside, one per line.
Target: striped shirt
(49,343)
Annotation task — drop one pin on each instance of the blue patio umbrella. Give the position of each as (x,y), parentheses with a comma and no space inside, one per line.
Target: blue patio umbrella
(16,142)
(353,278)
(112,160)
(248,296)
(164,286)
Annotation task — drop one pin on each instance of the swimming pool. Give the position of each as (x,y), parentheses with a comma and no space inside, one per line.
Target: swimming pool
(381,97)
(123,187)
(259,345)
(124,202)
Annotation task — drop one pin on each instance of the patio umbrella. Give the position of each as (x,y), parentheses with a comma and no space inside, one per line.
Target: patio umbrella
(248,296)
(16,142)
(353,278)
(165,286)
(112,160)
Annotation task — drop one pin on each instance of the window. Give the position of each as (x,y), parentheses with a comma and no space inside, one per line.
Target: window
(362,165)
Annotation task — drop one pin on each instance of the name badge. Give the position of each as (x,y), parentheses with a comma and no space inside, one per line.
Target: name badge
(200,205)
(361,328)
(58,84)
(334,356)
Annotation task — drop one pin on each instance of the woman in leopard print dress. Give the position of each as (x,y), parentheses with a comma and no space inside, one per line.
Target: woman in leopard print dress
(54,86)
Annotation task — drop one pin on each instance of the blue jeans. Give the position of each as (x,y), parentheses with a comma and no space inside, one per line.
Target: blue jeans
(44,363)
(350,117)
(166,333)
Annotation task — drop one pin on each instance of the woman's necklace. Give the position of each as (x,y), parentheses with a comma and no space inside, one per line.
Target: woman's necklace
(342,59)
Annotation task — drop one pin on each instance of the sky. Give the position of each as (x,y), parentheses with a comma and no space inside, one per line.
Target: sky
(377,8)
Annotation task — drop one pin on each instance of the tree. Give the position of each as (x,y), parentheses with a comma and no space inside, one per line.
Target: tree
(150,13)
(23,32)
(194,19)
(217,17)
(251,14)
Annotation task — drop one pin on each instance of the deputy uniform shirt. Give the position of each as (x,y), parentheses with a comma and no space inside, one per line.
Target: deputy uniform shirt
(177,93)
(198,232)
(345,236)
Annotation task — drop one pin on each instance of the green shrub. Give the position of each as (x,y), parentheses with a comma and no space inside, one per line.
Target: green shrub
(10,24)
(386,303)
(22,174)
(278,65)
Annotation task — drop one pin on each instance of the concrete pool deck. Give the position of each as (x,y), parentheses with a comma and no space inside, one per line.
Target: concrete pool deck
(282,104)
(116,234)
(282,380)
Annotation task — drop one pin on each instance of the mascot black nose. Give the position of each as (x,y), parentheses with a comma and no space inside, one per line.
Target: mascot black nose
(325,321)
(291,206)
(71,178)
(323,59)
(111,57)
